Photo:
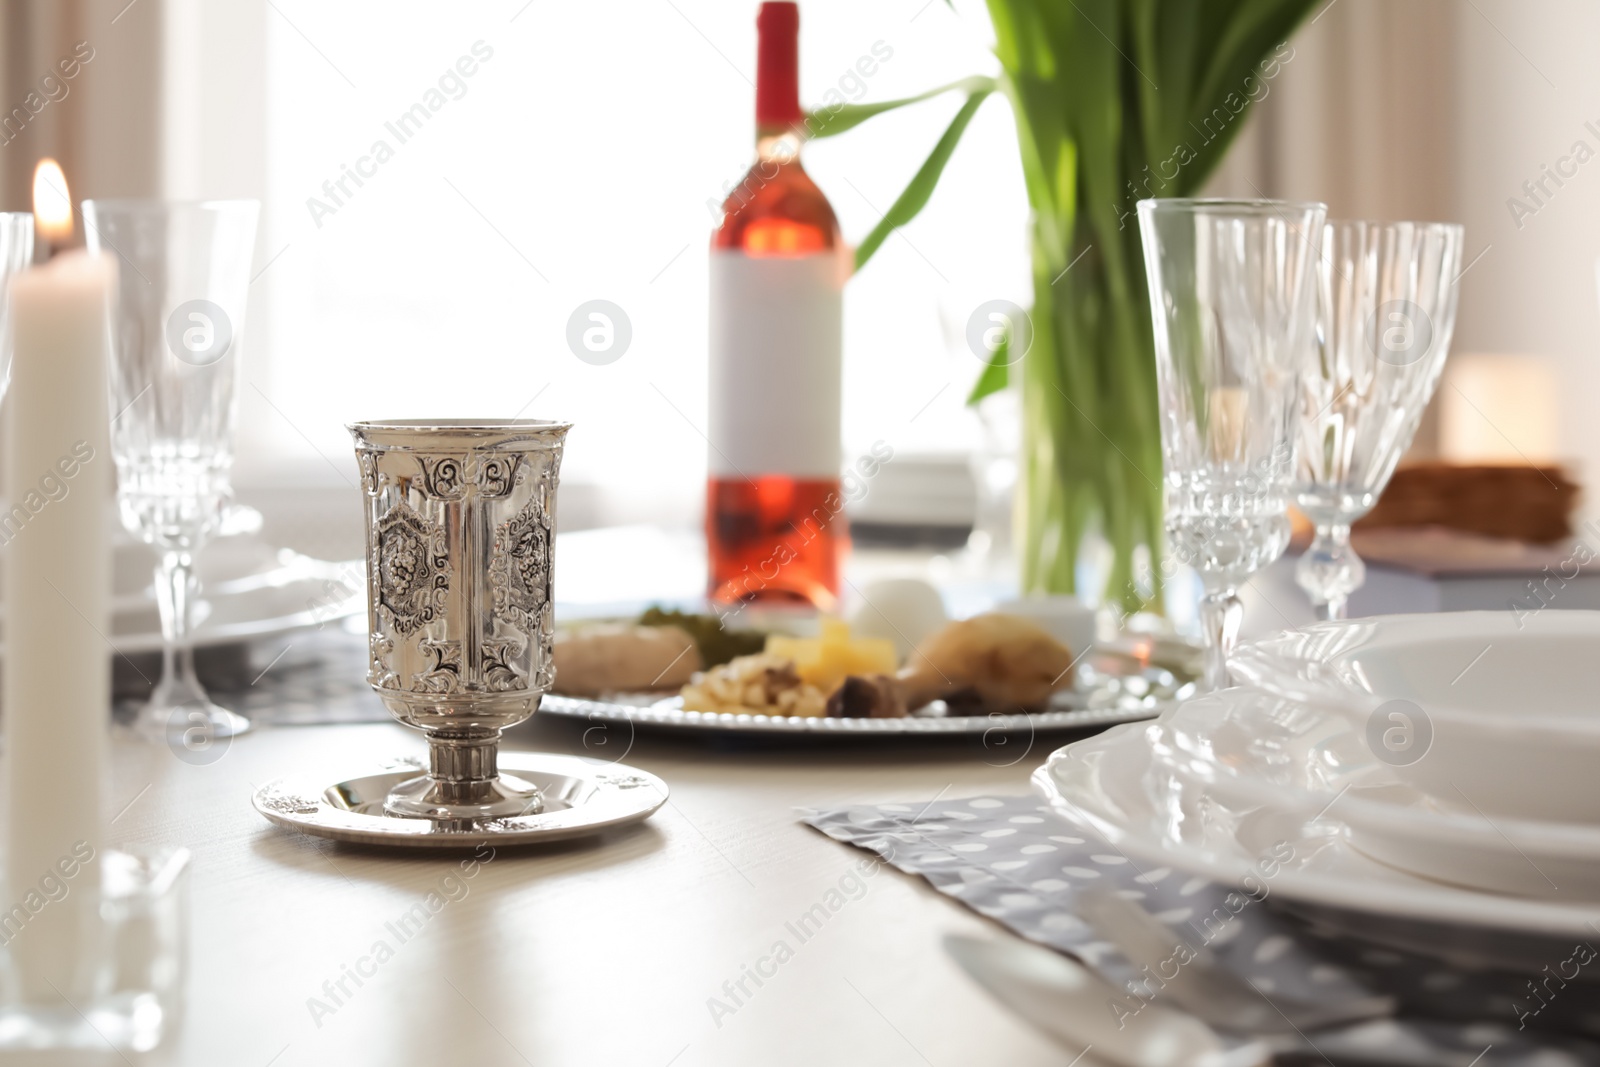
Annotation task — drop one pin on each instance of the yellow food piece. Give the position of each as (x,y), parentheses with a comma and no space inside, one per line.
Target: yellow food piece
(826,661)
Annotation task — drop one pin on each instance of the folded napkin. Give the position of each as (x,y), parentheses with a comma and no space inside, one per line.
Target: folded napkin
(1013,860)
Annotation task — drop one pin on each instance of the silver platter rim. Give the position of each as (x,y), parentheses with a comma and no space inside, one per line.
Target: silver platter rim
(608,795)
(666,713)
(1111,686)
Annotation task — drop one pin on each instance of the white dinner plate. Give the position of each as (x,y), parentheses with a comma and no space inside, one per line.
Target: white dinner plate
(249,590)
(1501,706)
(298,593)
(1113,785)
(1255,748)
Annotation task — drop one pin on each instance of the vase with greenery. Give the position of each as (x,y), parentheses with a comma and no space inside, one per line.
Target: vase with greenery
(1114,101)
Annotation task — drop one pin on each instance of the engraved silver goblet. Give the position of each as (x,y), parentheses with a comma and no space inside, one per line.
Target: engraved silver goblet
(460,519)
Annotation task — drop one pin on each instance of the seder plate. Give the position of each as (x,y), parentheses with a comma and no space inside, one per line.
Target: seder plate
(1109,688)
(581,798)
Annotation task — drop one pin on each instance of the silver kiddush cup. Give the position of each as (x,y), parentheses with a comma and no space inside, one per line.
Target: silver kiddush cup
(460,521)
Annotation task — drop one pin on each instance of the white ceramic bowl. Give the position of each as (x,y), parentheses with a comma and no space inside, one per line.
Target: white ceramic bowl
(1495,711)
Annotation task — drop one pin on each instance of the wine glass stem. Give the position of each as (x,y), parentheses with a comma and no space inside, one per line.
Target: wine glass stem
(1220,613)
(1337,540)
(1329,570)
(174,578)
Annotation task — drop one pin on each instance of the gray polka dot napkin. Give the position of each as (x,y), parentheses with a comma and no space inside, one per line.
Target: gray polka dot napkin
(1014,861)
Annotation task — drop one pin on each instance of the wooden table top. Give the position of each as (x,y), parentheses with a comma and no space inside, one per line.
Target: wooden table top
(607,952)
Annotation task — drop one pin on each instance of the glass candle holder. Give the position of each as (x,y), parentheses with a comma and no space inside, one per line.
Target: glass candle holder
(135,983)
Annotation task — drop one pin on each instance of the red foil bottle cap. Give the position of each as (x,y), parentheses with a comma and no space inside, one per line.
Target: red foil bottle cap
(778,66)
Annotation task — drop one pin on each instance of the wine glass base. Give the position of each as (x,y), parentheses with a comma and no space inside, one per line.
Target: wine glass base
(191,723)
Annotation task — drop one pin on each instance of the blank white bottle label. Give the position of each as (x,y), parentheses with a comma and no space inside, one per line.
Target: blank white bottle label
(775,365)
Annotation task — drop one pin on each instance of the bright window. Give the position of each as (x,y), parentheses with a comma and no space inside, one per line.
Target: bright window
(569,154)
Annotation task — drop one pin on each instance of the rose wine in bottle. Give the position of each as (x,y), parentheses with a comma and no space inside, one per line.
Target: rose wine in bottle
(775,524)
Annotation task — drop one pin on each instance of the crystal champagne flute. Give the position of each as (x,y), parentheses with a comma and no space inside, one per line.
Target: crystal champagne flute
(1231,303)
(16,253)
(184,273)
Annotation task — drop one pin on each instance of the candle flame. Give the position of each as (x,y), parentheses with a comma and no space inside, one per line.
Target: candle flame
(52,203)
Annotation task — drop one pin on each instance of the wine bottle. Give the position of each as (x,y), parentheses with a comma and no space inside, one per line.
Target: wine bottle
(775,524)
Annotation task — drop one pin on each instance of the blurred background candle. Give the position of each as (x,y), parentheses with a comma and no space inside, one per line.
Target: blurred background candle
(1497,408)
(57,600)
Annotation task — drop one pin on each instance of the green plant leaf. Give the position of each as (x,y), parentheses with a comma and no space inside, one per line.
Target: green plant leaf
(996,373)
(915,196)
(831,121)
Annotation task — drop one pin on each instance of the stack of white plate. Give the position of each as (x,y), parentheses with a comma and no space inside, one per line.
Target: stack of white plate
(1426,781)
(250,589)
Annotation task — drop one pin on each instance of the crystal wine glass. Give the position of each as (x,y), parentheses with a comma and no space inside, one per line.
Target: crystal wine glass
(16,252)
(1231,290)
(1386,306)
(184,274)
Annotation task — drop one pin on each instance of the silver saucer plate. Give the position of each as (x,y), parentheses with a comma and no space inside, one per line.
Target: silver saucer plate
(581,798)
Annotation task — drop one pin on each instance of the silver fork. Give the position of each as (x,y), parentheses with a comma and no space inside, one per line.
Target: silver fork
(1205,988)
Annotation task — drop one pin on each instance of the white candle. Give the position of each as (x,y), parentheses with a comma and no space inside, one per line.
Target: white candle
(57,670)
